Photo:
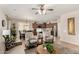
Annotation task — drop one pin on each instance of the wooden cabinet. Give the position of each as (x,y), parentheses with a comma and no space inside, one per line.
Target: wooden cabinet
(44,25)
(35,25)
(34,32)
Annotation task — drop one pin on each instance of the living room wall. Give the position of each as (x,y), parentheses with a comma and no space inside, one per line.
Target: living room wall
(2,46)
(2,17)
(63,28)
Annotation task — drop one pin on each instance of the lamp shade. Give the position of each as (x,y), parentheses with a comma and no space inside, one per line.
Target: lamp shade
(6,32)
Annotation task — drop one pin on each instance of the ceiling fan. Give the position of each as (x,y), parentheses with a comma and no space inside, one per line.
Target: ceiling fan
(42,9)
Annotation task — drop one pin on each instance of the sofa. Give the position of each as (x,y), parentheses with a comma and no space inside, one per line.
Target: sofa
(16,50)
(32,42)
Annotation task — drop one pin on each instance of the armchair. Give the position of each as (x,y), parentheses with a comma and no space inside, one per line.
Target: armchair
(47,36)
(31,40)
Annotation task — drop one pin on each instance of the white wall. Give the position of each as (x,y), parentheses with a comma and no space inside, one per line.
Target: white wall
(2,45)
(24,25)
(63,28)
(2,17)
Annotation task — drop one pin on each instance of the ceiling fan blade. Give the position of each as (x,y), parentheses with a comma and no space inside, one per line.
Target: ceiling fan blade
(50,9)
(34,9)
(40,4)
(36,13)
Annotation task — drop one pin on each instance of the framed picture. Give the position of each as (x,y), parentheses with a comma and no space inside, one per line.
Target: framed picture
(3,23)
(71,26)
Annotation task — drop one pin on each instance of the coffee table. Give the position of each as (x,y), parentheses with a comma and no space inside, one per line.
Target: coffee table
(41,50)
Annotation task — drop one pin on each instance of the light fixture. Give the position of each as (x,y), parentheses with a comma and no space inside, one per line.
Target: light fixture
(42,12)
(42,9)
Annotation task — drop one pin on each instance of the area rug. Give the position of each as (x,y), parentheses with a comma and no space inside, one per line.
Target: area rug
(30,51)
(62,50)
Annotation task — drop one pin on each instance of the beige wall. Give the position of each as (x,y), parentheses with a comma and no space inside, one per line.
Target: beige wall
(2,17)
(2,41)
(24,25)
(63,28)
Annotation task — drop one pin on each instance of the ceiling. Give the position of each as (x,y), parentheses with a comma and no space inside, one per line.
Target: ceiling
(25,12)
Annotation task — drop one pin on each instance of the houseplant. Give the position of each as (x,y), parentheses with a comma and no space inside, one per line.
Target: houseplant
(49,47)
(13,32)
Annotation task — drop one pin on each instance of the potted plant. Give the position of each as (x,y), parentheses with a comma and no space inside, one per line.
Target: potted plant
(49,47)
(13,32)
